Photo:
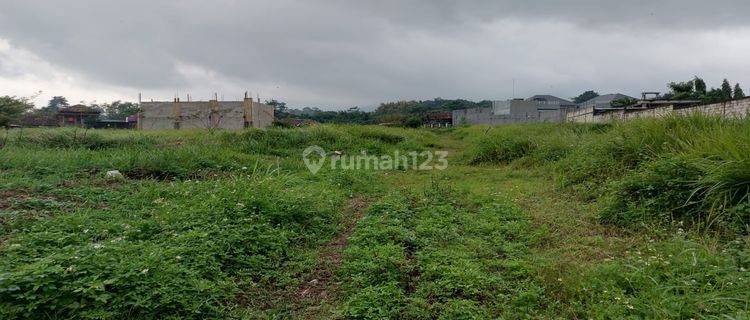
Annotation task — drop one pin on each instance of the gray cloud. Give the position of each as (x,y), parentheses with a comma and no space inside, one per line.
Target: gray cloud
(341,53)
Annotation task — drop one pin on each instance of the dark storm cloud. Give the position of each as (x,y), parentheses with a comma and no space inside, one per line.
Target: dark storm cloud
(358,52)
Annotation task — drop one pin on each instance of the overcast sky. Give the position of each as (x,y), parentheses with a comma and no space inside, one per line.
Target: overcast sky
(341,53)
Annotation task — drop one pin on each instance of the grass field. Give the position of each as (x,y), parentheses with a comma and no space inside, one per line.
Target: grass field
(642,219)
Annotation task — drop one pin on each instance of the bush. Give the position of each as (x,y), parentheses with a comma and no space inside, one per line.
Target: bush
(693,168)
(502,150)
(711,194)
(660,191)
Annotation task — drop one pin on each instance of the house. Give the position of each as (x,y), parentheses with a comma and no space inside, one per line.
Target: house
(603,101)
(77,115)
(438,119)
(548,102)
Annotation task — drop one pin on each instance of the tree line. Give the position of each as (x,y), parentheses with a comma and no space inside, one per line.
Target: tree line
(21,111)
(696,89)
(406,113)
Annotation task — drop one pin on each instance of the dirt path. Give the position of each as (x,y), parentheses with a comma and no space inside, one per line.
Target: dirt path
(321,290)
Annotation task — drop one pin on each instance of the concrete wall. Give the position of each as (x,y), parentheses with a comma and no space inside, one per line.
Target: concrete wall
(730,109)
(523,107)
(487,116)
(232,115)
(262,115)
(514,107)
(581,115)
(509,112)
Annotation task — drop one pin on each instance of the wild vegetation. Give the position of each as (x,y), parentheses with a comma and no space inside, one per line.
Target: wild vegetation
(692,170)
(640,219)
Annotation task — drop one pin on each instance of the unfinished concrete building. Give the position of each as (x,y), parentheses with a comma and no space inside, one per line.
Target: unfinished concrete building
(514,111)
(212,114)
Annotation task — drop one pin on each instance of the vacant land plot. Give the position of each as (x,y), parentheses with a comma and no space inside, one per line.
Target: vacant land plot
(644,219)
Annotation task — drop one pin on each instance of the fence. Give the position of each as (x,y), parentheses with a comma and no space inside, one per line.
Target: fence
(730,109)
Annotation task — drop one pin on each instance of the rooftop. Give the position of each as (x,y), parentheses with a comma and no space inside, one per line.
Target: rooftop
(549,98)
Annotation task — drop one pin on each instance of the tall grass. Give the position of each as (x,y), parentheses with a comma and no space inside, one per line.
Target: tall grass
(693,169)
(349,139)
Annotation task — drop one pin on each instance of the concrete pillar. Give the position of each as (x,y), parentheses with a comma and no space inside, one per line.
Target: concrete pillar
(213,113)
(176,113)
(247,106)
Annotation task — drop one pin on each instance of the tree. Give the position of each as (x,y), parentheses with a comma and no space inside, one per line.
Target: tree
(622,102)
(55,104)
(700,87)
(726,91)
(586,96)
(738,94)
(119,110)
(713,95)
(278,105)
(413,122)
(11,109)
(681,90)
(280,108)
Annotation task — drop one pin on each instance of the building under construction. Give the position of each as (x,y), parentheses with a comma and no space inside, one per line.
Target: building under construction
(212,114)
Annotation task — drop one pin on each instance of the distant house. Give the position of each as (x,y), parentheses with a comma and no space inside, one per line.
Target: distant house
(77,115)
(548,102)
(438,119)
(603,101)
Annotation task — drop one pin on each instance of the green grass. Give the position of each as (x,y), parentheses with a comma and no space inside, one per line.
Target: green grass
(677,279)
(640,219)
(435,255)
(183,249)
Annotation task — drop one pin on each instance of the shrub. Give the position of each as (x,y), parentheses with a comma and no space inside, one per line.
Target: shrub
(660,191)
(500,150)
